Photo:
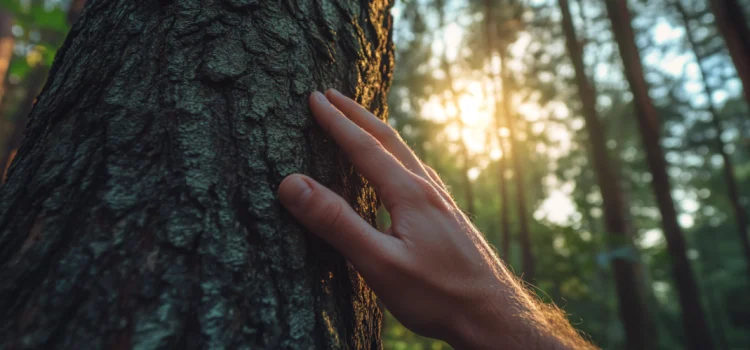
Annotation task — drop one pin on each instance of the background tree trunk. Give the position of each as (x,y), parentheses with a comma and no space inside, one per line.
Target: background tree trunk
(733,189)
(468,190)
(75,9)
(453,99)
(33,84)
(527,254)
(504,240)
(7,42)
(639,326)
(697,332)
(141,209)
(730,19)
(502,165)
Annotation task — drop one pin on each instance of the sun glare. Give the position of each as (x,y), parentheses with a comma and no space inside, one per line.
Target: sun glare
(469,118)
(474,118)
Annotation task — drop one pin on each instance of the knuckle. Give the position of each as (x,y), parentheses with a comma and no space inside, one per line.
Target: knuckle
(388,133)
(389,260)
(331,212)
(434,175)
(437,200)
(428,193)
(389,263)
(390,192)
(404,186)
(369,144)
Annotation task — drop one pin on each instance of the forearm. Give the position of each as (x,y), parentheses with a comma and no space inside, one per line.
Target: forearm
(516,319)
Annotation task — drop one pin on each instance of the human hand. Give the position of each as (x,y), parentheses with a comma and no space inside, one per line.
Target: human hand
(432,269)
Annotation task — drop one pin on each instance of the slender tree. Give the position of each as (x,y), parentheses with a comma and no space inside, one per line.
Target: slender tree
(640,328)
(502,182)
(515,152)
(731,21)
(468,190)
(32,84)
(75,9)
(453,99)
(141,212)
(733,190)
(693,318)
(7,42)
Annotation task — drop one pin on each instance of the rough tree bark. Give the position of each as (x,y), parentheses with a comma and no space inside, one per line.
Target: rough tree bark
(733,189)
(141,212)
(694,322)
(730,19)
(640,328)
(524,234)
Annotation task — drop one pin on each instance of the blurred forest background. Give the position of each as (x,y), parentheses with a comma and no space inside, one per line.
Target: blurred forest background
(603,146)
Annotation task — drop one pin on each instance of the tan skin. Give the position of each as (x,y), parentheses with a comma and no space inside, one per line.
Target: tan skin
(432,268)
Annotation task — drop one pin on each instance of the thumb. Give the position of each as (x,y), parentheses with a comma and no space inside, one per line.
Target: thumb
(329,216)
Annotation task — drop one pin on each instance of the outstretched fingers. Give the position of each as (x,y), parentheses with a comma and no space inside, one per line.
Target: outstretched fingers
(392,180)
(383,132)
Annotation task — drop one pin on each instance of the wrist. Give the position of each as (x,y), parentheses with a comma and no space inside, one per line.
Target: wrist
(511,319)
(485,319)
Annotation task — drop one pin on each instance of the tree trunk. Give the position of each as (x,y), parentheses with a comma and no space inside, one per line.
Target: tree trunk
(697,332)
(640,328)
(468,190)
(141,210)
(505,240)
(502,162)
(75,9)
(7,42)
(730,20)
(527,255)
(733,190)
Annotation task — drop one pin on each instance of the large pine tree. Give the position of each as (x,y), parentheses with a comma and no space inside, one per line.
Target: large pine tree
(141,211)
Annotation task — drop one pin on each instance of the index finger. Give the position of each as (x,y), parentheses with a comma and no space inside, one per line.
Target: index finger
(378,129)
(381,168)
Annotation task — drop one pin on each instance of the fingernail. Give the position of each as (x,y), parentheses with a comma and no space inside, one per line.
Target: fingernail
(335,92)
(320,97)
(293,190)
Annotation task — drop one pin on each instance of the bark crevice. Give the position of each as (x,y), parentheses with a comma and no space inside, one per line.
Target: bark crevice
(143,199)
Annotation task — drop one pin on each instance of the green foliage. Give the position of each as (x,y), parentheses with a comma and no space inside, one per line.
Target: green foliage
(37,15)
(43,26)
(19,69)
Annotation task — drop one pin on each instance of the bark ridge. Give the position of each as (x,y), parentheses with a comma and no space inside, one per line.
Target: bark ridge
(141,211)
